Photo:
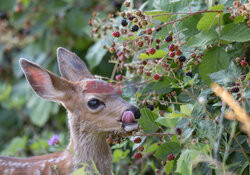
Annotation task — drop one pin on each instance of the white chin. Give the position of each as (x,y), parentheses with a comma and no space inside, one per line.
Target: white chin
(131,127)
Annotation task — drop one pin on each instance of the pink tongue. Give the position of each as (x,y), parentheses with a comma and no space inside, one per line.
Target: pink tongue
(128,117)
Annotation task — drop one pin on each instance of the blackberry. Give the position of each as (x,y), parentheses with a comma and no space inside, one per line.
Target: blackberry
(189,74)
(3,16)
(135,28)
(124,22)
(151,107)
(169,38)
(235,89)
(182,58)
(178,131)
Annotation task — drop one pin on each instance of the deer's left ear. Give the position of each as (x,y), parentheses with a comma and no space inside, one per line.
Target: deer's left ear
(46,84)
(71,66)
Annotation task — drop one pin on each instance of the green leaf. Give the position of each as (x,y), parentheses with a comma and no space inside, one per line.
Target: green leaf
(167,148)
(169,166)
(247,77)
(163,18)
(184,163)
(7,5)
(147,120)
(117,155)
(158,54)
(5,90)
(75,22)
(203,38)
(235,33)
(186,28)
(95,54)
(209,18)
(214,60)
(185,109)
(80,171)
(168,122)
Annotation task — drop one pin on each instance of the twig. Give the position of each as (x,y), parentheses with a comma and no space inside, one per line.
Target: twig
(190,14)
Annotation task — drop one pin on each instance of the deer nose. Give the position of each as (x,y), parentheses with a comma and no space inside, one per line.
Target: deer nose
(136,112)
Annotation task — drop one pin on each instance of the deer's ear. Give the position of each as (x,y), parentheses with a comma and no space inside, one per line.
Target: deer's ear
(46,84)
(71,66)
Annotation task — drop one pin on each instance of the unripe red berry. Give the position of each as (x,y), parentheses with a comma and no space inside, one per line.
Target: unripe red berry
(171,157)
(122,58)
(237,60)
(112,50)
(193,55)
(140,148)
(119,53)
(126,4)
(118,77)
(116,34)
(109,140)
(178,52)
(172,54)
(178,131)
(158,41)
(140,43)
(243,63)
(161,112)
(137,140)
(122,14)
(138,13)
(157,47)
(157,77)
(138,155)
(151,51)
(171,47)
(129,133)
(149,31)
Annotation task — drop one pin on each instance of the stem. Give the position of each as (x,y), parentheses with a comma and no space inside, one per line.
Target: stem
(180,19)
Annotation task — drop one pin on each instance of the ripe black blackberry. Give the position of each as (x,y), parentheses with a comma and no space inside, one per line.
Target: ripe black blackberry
(134,28)
(151,107)
(169,38)
(235,89)
(182,58)
(124,22)
(189,74)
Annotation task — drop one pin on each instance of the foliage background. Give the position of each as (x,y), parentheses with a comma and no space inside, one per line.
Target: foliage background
(34,29)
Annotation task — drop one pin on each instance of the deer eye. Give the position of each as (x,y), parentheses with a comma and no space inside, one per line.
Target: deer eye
(94,103)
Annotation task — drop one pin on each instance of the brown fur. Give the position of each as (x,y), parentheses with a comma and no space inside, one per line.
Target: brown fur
(88,127)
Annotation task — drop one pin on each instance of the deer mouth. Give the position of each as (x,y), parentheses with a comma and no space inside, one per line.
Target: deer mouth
(128,121)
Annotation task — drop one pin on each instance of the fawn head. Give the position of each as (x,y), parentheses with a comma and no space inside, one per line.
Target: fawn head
(93,108)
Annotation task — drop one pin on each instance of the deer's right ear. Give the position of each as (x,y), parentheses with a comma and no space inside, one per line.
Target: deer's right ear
(46,84)
(71,66)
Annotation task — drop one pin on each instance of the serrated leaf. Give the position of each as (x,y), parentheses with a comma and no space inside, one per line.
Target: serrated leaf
(168,122)
(158,54)
(167,148)
(203,38)
(235,33)
(169,166)
(147,120)
(247,77)
(214,60)
(210,18)
(185,161)
(185,109)
(163,18)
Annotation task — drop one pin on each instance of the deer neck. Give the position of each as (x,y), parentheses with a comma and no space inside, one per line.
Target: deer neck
(87,147)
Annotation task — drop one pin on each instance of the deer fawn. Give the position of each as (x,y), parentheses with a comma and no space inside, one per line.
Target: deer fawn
(91,115)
